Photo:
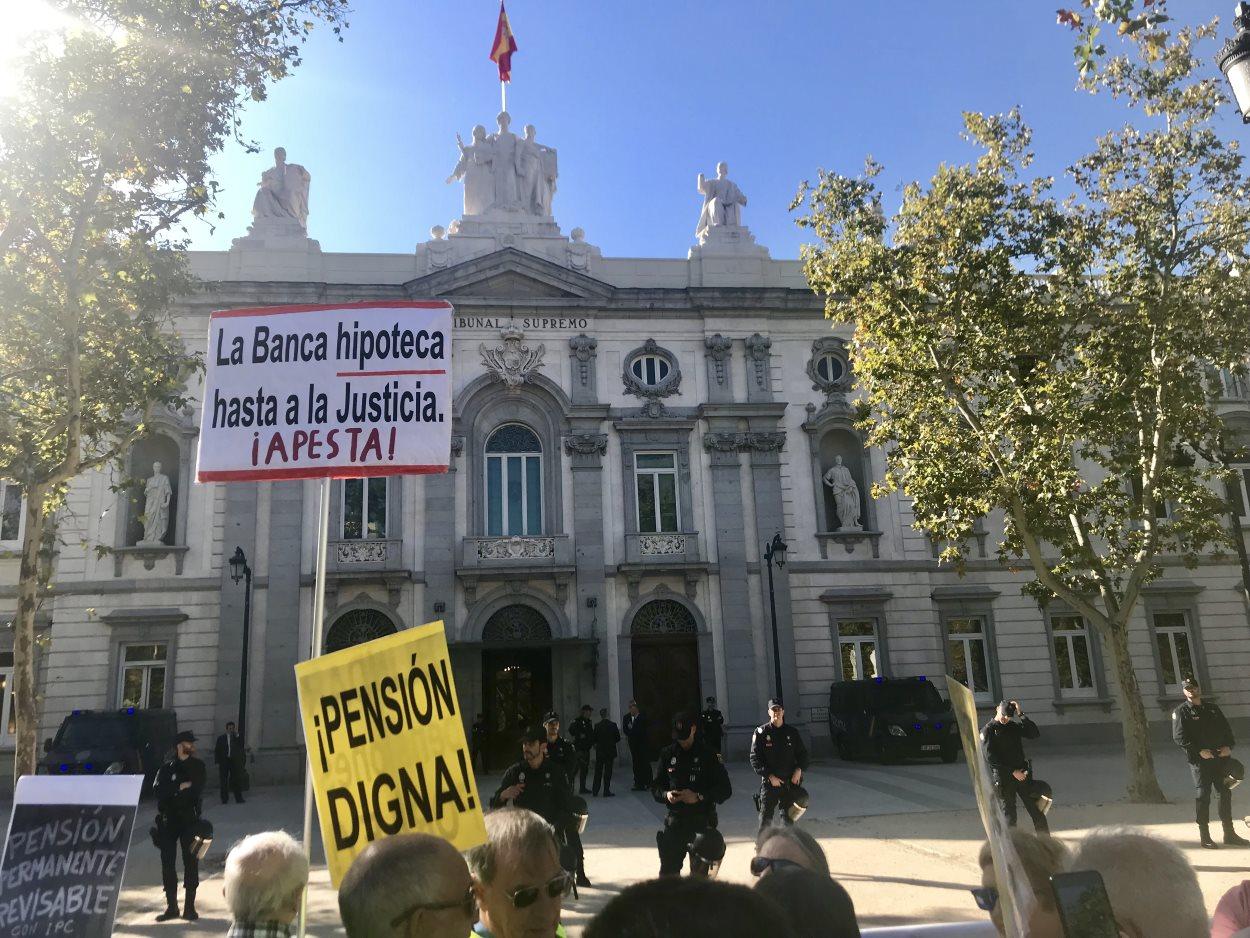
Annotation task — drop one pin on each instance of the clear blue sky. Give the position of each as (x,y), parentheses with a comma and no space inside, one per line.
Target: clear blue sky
(640,97)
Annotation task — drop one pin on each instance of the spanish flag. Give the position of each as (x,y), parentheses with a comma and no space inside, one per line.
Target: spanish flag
(504,45)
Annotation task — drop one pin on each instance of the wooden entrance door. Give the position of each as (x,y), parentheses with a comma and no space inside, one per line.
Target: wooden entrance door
(517,690)
(666,681)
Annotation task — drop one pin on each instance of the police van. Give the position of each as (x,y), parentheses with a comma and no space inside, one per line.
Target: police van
(891,719)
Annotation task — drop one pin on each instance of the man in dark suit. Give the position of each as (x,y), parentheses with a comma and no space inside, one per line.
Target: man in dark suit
(636,733)
(231,764)
(606,737)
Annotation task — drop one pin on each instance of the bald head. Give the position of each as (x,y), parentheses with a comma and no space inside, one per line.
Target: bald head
(393,875)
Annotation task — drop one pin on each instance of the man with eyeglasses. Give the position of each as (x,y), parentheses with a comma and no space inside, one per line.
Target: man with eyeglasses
(517,877)
(405,886)
(779,758)
(690,781)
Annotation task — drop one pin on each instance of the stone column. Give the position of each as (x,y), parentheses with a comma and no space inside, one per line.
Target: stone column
(439,560)
(279,726)
(586,450)
(238,530)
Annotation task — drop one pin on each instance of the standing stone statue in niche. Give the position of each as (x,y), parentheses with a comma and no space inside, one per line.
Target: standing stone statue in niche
(281,204)
(845,495)
(157,493)
(722,203)
(536,165)
(475,169)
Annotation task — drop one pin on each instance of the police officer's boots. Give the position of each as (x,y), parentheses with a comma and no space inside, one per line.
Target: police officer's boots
(1226,818)
(188,910)
(1204,827)
(171,908)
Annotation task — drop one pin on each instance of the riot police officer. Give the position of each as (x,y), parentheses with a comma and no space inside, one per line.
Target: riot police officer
(691,781)
(179,789)
(582,732)
(1202,730)
(779,757)
(712,725)
(1002,737)
(560,752)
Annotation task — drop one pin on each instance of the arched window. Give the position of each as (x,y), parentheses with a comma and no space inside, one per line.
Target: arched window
(357,627)
(514,482)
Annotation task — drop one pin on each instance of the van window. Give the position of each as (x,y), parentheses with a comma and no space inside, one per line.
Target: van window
(904,695)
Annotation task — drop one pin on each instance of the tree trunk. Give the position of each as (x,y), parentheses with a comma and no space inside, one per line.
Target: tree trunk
(24,702)
(1143,785)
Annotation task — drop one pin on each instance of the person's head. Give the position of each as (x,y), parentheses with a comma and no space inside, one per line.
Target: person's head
(780,847)
(529,131)
(1041,857)
(184,744)
(534,746)
(684,728)
(711,703)
(407,885)
(808,897)
(586,711)
(279,155)
(1191,690)
(517,876)
(479,133)
(230,728)
(264,878)
(776,712)
(722,170)
(633,707)
(693,907)
(504,120)
(551,723)
(1006,710)
(1152,887)
(603,713)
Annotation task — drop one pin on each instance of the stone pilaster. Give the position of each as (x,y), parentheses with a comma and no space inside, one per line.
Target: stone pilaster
(439,558)
(582,358)
(282,633)
(719,353)
(238,530)
(759,368)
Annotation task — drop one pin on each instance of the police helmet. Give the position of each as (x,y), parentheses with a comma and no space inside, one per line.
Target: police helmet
(201,838)
(707,850)
(1041,792)
(798,802)
(581,812)
(1234,773)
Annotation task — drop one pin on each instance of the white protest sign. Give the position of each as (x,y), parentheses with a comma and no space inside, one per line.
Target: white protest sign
(332,391)
(65,854)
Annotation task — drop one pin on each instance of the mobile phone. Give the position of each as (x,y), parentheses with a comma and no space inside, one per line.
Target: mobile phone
(1084,908)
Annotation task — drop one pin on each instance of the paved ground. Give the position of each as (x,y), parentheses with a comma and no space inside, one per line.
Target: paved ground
(902,839)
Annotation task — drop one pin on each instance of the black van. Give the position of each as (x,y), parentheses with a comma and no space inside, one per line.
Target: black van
(891,719)
(131,741)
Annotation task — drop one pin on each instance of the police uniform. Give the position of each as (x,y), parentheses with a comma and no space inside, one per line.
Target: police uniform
(712,727)
(698,769)
(776,750)
(1195,728)
(560,752)
(1004,751)
(477,746)
(177,812)
(582,732)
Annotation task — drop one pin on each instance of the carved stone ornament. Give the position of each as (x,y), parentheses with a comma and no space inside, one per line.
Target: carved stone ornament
(766,442)
(719,351)
(724,442)
(830,366)
(663,617)
(583,347)
(586,444)
(652,545)
(457,446)
(660,376)
(361,551)
(512,361)
(516,548)
(757,347)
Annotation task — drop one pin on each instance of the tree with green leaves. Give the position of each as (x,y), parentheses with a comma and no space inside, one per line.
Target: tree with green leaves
(1055,359)
(104,160)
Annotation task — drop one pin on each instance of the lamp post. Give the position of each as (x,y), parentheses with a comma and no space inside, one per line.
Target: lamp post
(1234,60)
(239,570)
(775,553)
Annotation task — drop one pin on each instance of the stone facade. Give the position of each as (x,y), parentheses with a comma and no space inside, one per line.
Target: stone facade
(718,377)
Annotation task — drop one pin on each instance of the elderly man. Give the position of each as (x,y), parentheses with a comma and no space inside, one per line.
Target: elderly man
(1152,887)
(517,876)
(407,885)
(264,879)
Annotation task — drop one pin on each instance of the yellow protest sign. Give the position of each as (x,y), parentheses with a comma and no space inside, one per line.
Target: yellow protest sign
(386,745)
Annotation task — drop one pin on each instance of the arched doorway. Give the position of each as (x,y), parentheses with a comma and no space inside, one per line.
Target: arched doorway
(516,677)
(356,627)
(665,651)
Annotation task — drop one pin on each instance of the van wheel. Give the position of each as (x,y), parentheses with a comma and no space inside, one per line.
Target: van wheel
(950,755)
(844,749)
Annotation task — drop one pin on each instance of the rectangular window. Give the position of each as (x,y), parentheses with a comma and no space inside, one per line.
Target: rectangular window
(969,653)
(8,713)
(12,516)
(142,679)
(1240,494)
(1175,645)
(514,495)
(1070,639)
(857,649)
(655,480)
(364,509)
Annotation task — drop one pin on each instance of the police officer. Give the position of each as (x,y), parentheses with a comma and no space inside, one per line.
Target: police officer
(179,789)
(1002,738)
(779,757)
(1203,732)
(712,725)
(560,752)
(691,781)
(477,744)
(582,732)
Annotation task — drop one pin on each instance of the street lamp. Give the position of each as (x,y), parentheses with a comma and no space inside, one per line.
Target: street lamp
(775,553)
(239,570)
(1234,60)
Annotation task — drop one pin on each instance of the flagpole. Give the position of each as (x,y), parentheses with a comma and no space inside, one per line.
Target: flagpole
(503,96)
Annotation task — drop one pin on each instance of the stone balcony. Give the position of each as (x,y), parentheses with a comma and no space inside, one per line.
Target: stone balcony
(667,548)
(368,555)
(539,552)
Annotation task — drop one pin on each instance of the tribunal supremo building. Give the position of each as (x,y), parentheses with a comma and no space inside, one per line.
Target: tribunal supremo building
(628,435)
